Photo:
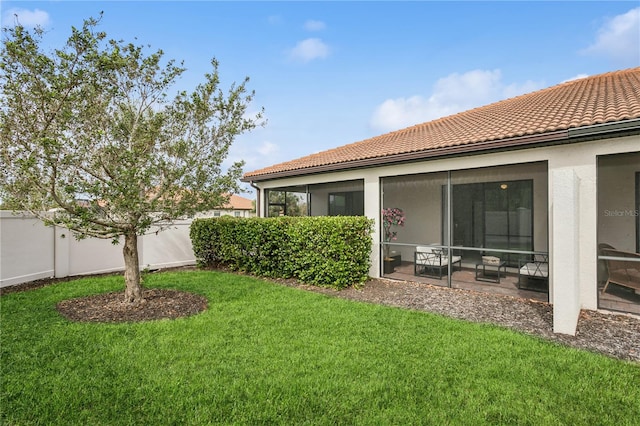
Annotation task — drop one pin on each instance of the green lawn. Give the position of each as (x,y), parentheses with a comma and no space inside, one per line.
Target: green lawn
(268,354)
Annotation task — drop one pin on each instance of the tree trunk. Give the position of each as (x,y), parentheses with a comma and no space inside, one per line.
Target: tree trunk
(133,289)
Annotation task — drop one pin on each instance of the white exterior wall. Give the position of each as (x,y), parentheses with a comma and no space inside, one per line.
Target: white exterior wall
(573,235)
(372,209)
(564,288)
(572,203)
(234,213)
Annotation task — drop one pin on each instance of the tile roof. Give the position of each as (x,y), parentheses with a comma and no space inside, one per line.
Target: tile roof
(604,98)
(237,202)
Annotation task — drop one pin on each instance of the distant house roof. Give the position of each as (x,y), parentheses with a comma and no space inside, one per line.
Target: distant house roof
(237,202)
(555,114)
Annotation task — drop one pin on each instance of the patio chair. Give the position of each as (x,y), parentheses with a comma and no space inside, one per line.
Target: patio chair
(536,269)
(625,273)
(428,260)
(602,267)
(605,246)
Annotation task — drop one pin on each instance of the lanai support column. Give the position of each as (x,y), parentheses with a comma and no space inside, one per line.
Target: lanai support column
(565,250)
(372,211)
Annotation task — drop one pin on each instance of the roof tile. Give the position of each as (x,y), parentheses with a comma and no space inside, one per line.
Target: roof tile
(604,98)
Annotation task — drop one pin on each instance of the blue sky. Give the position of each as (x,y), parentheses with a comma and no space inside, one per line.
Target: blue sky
(332,73)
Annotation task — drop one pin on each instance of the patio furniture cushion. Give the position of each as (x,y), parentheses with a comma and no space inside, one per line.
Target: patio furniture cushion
(428,249)
(491,260)
(431,256)
(538,270)
(535,269)
(428,257)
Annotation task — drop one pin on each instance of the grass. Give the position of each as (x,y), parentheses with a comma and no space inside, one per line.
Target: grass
(268,354)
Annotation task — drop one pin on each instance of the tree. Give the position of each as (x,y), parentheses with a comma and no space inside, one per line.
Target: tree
(93,120)
(287,203)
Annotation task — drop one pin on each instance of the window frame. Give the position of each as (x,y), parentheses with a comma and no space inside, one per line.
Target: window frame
(482,186)
(349,203)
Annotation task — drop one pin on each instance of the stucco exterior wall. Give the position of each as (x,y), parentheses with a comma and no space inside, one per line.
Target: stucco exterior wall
(234,213)
(572,204)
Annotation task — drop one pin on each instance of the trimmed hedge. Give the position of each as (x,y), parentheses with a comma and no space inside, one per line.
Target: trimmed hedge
(324,251)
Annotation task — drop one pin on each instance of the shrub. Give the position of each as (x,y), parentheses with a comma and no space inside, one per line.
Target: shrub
(324,251)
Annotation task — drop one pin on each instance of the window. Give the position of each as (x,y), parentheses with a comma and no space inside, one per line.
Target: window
(346,203)
(216,214)
(494,215)
(287,202)
(337,197)
(236,214)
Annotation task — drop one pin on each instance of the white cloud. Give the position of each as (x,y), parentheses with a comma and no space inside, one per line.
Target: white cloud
(312,25)
(267,148)
(255,151)
(575,77)
(451,94)
(619,37)
(308,50)
(27,18)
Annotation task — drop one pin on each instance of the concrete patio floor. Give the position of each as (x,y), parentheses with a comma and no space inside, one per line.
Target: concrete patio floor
(615,299)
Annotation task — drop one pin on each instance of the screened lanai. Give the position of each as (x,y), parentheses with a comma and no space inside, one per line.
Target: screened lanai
(484,229)
(619,232)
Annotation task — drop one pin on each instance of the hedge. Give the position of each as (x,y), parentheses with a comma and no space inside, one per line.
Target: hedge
(323,251)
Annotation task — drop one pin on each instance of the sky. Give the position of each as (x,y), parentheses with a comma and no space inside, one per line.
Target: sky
(335,72)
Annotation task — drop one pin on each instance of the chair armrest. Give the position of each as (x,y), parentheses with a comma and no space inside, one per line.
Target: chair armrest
(620,253)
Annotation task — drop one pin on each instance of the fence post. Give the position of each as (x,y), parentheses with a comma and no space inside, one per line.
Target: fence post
(61,251)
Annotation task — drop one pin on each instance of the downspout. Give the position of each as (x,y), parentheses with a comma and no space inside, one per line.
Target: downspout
(257,188)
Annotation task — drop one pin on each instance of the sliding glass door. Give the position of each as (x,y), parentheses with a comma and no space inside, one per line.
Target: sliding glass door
(493,215)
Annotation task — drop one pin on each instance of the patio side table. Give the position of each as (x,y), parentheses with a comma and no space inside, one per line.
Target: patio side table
(481,274)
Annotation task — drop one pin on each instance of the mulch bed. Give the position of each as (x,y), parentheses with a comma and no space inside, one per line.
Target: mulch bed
(615,335)
(110,307)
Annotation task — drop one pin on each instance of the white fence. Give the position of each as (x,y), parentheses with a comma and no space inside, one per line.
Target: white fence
(29,250)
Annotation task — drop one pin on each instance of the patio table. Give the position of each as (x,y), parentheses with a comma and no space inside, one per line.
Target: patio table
(481,274)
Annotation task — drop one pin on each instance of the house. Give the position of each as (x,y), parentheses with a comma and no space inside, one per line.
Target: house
(237,206)
(521,197)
